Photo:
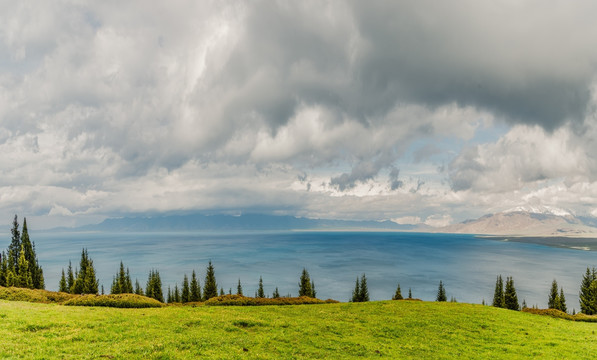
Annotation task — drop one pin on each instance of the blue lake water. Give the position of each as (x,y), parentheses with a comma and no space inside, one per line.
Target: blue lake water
(467,265)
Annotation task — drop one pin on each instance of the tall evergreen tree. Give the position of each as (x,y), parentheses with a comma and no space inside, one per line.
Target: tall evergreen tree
(185,295)
(70,280)
(176,294)
(15,245)
(563,306)
(410,294)
(510,297)
(24,278)
(305,284)
(210,287)
(553,301)
(62,284)
(239,288)
(397,294)
(85,281)
(154,286)
(3,269)
(29,249)
(441,292)
(364,294)
(138,289)
(588,301)
(498,294)
(260,291)
(169,297)
(276,294)
(356,293)
(313,291)
(195,288)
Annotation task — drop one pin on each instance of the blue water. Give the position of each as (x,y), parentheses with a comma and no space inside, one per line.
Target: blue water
(467,265)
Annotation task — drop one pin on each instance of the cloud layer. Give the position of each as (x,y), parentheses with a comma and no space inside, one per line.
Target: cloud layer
(335,109)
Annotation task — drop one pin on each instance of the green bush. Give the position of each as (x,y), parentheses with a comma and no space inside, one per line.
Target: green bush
(22,294)
(239,300)
(549,312)
(117,301)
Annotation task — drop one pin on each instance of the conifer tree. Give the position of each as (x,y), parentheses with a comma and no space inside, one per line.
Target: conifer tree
(222,293)
(563,306)
(239,288)
(364,293)
(154,286)
(398,294)
(410,294)
(62,284)
(169,298)
(195,288)
(138,289)
(553,301)
(588,302)
(3,269)
(185,295)
(356,293)
(210,287)
(313,291)
(85,281)
(276,294)
(70,280)
(441,292)
(176,294)
(305,284)
(15,245)
(29,249)
(524,304)
(23,277)
(102,289)
(498,294)
(260,292)
(510,297)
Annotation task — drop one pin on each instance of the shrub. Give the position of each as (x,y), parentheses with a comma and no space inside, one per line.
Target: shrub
(117,301)
(22,294)
(239,300)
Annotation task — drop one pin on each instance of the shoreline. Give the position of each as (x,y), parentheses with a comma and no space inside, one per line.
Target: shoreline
(573,243)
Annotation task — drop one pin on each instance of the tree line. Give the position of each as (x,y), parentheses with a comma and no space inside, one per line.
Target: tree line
(19,267)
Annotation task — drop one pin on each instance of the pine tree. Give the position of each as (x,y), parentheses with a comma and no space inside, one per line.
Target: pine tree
(364,294)
(305,284)
(498,294)
(510,297)
(398,294)
(356,293)
(195,288)
(23,277)
(176,295)
(276,294)
(210,287)
(15,246)
(239,288)
(138,289)
(185,296)
(441,292)
(222,293)
(29,249)
(563,306)
(85,281)
(588,303)
(70,280)
(62,284)
(169,298)
(3,269)
(313,291)
(553,301)
(102,289)
(410,294)
(153,289)
(260,292)
(524,304)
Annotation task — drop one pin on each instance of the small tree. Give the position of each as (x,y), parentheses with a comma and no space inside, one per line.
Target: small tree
(364,295)
(62,286)
(563,306)
(154,286)
(510,297)
(185,295)
(305,284)
(356,293)
(410,294)
(210,287)
(276,293)
(23,278)
(588,301)
(441,292)
(138,289)
(70,280)
(397,294)
(260,292)
(239,288)
(498,294)
(195,288)
(553,301)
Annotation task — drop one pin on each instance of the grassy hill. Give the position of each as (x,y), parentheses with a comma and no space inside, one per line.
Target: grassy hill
(387,329)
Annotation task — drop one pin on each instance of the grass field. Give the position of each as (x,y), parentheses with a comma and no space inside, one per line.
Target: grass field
(387,329)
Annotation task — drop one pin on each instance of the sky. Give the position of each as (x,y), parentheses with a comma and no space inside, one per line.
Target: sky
(427,112)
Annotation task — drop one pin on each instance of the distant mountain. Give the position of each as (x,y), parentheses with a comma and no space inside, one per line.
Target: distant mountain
(536,221)
(230,223)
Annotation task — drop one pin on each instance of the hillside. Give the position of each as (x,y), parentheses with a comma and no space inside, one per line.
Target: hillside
(527,222)
(387,329)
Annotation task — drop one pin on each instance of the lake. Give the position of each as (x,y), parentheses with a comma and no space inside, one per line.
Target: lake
(467,265)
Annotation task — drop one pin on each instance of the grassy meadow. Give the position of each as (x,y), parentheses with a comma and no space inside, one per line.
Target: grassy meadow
(387,329)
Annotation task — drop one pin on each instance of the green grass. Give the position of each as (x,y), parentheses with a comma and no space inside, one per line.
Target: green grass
(388,329)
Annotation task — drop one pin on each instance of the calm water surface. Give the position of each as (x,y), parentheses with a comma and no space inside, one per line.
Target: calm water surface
(467,265)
